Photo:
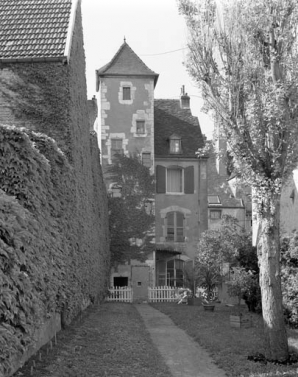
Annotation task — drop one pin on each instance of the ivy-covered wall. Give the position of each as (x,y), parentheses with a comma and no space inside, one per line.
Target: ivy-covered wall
(54,240)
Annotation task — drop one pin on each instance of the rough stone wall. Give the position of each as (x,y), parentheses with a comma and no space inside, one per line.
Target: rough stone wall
(50,97)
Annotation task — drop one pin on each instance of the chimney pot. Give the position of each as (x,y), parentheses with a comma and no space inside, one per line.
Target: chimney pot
(184,99)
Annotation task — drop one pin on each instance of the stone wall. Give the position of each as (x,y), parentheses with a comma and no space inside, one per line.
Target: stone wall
(50,98)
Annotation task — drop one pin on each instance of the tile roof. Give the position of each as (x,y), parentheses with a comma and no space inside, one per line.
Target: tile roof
(31,29)
(172,106)
(218,185)
(170,119)
(126,62)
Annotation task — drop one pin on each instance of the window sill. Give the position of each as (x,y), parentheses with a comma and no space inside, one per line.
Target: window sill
(175,193)
(140,135)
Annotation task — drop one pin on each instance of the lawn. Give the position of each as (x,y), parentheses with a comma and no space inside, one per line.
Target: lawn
(229,347)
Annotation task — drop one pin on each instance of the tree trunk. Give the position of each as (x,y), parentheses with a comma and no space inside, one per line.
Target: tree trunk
(276,341)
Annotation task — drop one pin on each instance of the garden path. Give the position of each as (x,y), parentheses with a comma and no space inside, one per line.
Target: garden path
(183,356)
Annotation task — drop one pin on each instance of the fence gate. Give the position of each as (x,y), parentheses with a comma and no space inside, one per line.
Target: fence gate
(140,282)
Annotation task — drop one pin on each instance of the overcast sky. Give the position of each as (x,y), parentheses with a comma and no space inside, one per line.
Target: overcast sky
(155,32)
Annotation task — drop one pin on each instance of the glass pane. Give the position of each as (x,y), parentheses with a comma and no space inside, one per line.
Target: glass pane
(179,219)
(170,234)
(126,93)
(116,144)
(146,159)
(180,232)
(175,146)
(170,218)
(170,264)
(179,264)
(174,180)
(140,127)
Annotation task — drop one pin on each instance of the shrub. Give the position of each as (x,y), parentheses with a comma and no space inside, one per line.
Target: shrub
(289,277)
(245,285)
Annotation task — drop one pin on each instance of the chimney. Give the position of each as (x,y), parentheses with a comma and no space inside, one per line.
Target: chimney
(184,99)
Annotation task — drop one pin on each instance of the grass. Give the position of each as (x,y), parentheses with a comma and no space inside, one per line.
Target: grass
(110,341)
(229,347)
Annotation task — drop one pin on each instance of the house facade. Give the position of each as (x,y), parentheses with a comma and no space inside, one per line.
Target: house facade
(181,189)
(165,136)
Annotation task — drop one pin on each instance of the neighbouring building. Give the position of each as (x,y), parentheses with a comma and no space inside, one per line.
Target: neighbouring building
(226,196)
(166,137)
(43,88)
(181,188)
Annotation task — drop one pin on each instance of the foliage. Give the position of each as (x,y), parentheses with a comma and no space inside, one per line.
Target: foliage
(243,56)
(41,265)
(254,100)
(244,285)
(131,215)
(289,261)
(216,247)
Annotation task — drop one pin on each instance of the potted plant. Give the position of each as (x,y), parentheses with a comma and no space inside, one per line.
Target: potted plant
(208,272)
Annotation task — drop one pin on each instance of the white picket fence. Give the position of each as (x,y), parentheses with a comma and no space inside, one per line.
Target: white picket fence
(162,294)
(120,294)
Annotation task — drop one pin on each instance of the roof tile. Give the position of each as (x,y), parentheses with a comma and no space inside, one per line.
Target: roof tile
(126,62)
(170,119)
(33,28)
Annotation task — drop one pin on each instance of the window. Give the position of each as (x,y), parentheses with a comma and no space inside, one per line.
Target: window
(126,93)
(215,214)
(170,273)
(116,147)
(175,273)
(140,128)
(146,159)
(174,180)
(213,199)
(175,227)
(175,144)
(115,191)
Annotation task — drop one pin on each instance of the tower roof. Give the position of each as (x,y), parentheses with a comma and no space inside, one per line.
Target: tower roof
(126,63)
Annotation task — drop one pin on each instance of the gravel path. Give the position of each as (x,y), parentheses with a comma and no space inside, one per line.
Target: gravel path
(111,340)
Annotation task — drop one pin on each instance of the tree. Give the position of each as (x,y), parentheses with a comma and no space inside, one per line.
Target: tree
(131,215)
(216,247)
(243,56)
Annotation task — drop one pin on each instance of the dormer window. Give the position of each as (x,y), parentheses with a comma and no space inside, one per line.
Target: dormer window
(175,144)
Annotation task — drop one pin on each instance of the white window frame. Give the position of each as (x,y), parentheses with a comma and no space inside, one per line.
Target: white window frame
(182,183)
(175,227)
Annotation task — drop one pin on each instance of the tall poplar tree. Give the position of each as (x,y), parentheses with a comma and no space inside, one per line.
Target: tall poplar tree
(243,57)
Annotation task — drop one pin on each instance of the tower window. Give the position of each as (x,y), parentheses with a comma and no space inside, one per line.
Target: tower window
(140,127)
(146,159)
(126,93)
(116,147)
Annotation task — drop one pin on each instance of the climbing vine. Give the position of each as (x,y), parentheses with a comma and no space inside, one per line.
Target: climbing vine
(131,214)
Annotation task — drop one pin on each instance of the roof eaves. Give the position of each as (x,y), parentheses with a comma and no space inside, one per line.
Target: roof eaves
(71,24)
(62,59)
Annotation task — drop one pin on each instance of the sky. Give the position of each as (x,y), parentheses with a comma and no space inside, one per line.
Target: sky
(156,33)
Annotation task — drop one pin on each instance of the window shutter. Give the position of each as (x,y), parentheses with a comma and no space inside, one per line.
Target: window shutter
(160,179)
(189,180)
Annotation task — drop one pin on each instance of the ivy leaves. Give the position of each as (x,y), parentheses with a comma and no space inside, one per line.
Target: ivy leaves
(131,215)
